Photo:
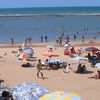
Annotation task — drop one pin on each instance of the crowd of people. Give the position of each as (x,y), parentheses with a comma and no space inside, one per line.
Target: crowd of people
(93,58)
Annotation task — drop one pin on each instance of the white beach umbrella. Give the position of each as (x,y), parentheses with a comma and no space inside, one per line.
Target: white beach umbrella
(78,58)
(28,91)
(97,65)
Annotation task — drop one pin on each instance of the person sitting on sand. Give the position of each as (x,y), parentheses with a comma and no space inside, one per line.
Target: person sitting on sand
(67,68)
(50,66)
(46,64)
(79,52)
(98,56)
(89,57)
(96,76)
(28,65)
(93,62)
(73,50)
(20,49)
(50,50)
(57,65)
(79,68)
(83,69)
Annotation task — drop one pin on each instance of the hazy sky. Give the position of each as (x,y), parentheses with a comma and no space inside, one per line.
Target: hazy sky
(47,3)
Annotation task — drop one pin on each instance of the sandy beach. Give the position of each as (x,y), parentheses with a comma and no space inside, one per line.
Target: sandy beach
(13,74)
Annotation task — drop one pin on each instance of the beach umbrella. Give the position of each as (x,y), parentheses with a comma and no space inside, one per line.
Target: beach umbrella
(97,65)
(78,58)
(92,49)
(50,54)
(55,61)
(28,50)
(22,56)
(28,91)
(60,95)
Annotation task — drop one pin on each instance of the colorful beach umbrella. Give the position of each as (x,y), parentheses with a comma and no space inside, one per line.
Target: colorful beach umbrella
(92,49)
(28,50)
(22,56)
(60,95)
(28,91)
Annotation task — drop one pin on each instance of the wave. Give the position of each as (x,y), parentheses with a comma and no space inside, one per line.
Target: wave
(52,14)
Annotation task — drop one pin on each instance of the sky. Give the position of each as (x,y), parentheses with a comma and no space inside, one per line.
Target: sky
(47,3)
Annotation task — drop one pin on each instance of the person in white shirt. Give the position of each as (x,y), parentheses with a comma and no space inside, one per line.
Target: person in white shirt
(46,64)
(67,69)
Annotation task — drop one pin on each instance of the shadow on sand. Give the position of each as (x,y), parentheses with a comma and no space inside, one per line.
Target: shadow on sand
(85,72)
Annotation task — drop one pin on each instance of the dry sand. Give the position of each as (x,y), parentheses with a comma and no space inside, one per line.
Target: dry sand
(13,74)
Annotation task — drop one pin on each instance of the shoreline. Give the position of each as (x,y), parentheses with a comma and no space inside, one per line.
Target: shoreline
(47,15)
(77,43)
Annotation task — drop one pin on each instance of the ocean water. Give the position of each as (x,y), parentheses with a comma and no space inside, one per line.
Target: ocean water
(21,23)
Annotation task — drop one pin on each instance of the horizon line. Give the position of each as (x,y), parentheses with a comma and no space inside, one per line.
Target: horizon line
(46,7)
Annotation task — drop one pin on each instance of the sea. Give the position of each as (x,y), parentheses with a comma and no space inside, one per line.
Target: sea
(22,23)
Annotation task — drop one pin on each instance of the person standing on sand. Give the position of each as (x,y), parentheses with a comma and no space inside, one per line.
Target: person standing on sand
(12,41)
(41,37)
(39,69)
(46,38)
(57,39)
(83,38)
(74,37)
(30,40)
(60,41)
(25,42)
(62,35)
(68,38)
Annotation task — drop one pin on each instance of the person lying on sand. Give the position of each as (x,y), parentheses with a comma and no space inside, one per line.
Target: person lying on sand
(28,65)
(96,76)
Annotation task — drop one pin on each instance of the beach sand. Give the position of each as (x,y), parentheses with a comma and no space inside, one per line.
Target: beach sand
(13,74)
